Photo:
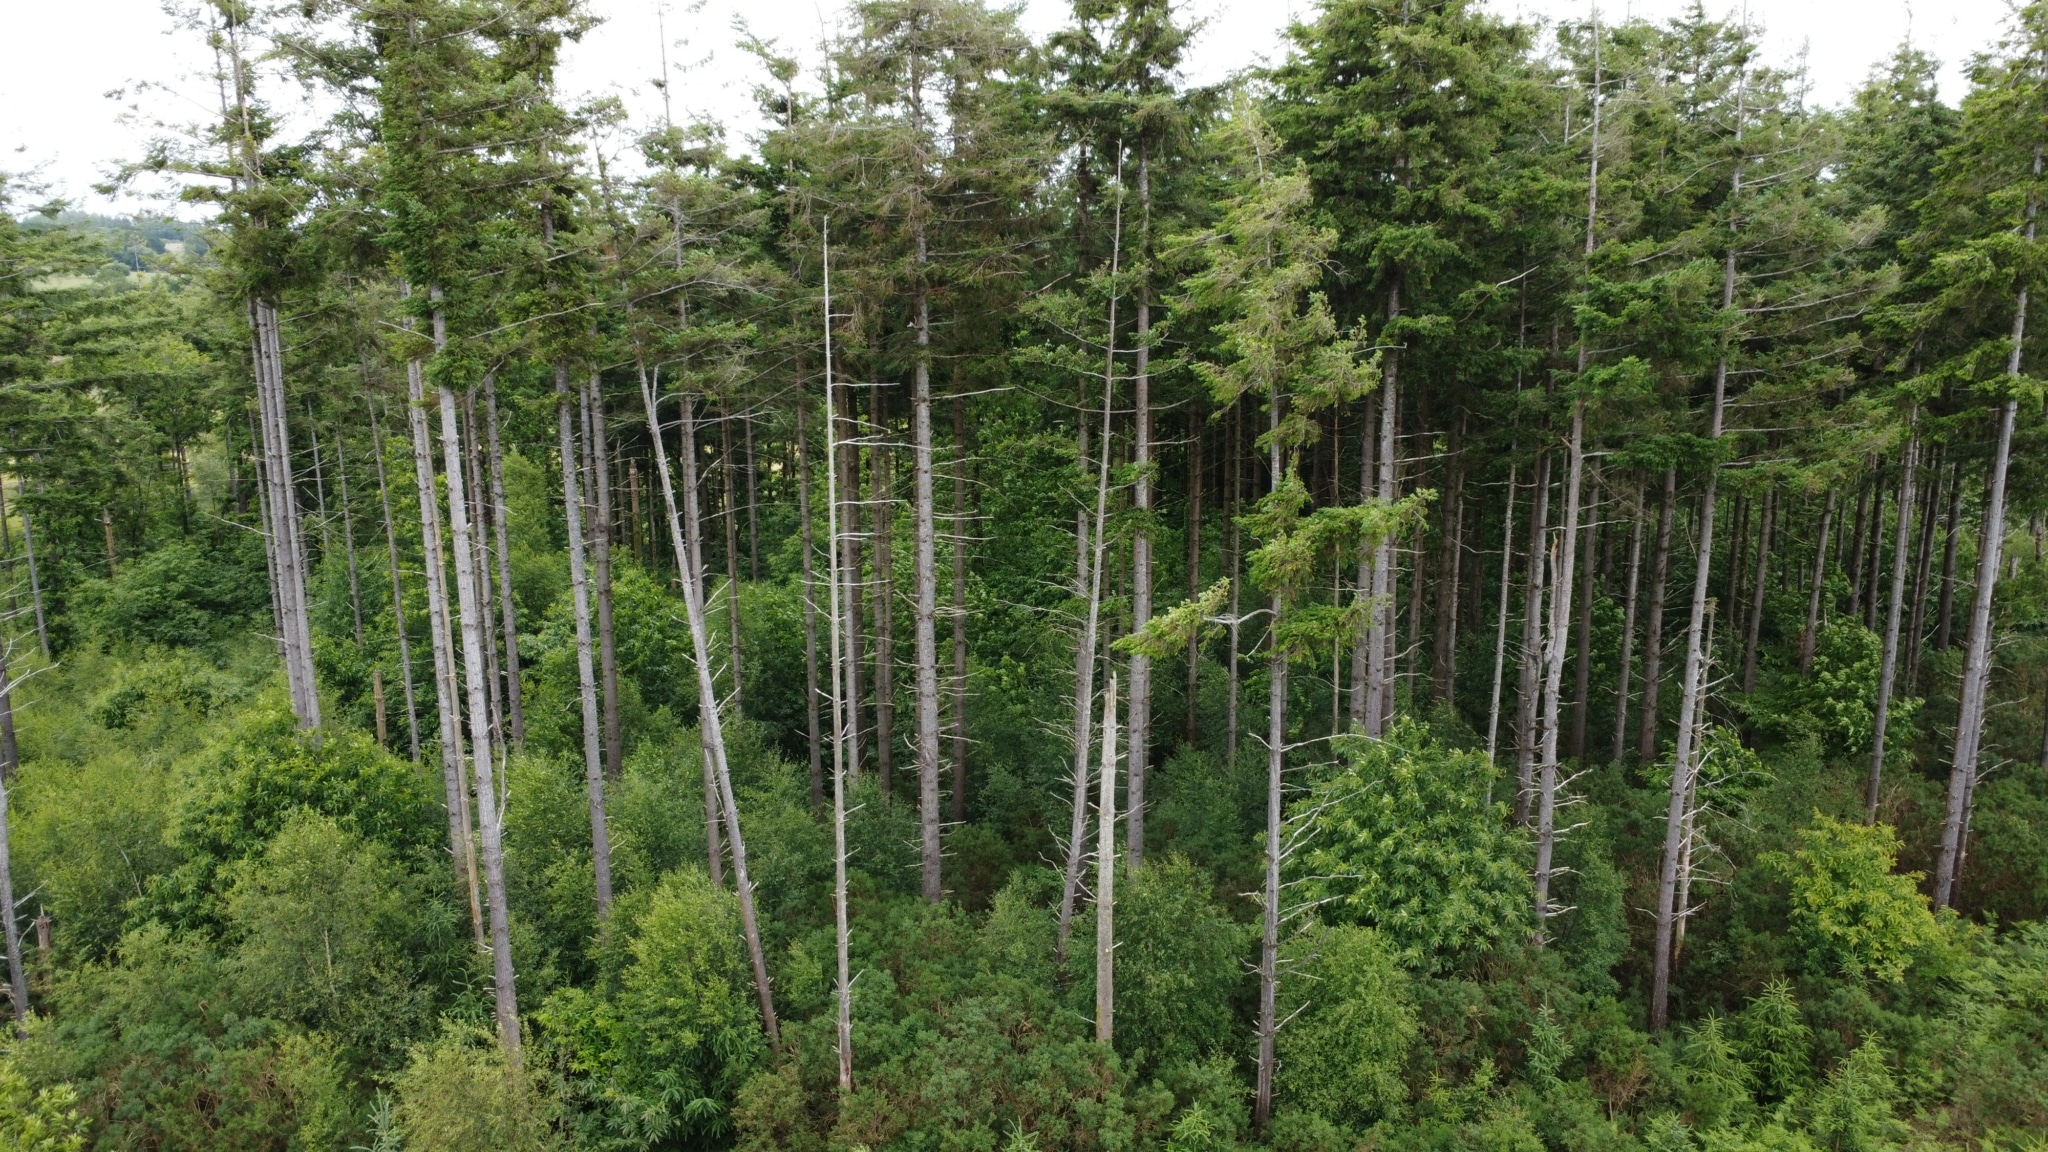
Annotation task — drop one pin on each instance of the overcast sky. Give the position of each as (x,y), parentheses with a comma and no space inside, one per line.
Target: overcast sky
(59,119)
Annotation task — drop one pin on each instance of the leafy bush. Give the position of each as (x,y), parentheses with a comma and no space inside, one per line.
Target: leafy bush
(1850,913)
(1341,1057)
(178,595)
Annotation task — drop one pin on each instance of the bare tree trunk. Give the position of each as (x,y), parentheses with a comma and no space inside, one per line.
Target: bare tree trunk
(348,541)
(35,582)
(1876,545)
(1364,642)
(470,611)
(1198,480)
(1820,567)
(480,559)
(1105,875)
(447,693)
(803,501)
(1140,742)
(1756,591)
(586,673)
(1653,634)
(882,513)
(1887,673)
(753,500)
(850,570)
(412,715)
(283,528)
(1276,763)
(1962,779)
(1856,550)
(840,701)
(1528,698)
(1500,637)
(959,602)
(926,608)
(1582,685)
(1922,569)
(732,554)
(10,764)
(598,450)
(1234,511)
(1379,662)
(1951,534)
(1444,663)
(508,616)
(1628,626)
(686,534)
(1564,557)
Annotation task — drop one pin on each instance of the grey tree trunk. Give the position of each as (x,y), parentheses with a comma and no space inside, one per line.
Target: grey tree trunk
(803,500)
(1444,663)
(732,555)
(1653,632)
(515,709)
(598,450)
(926,609)
(1500,637)
(1140,741)
(348,541)
(1276,763)
(1887,672)
(1951,534)
(1198,481)
(10,763)
(1528,698)
(412,715)
(850,572)
(1233,509)
(882,518)
(959,604)
(1363,646)
(447,693)
(686,535)
(1628,626)
(840,709)
(1582,671)
(35,580)
(471,613)
(586,672)
(1379,662)
(283,531)
(1820,566)
(1564,557)
(1084,667)
(1856,549)
(1105,875)
(1922,569)
(1756,591)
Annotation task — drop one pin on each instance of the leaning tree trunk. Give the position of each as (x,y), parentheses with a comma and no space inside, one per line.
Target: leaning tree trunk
(1084,665)
(1628,626)
(471,611)
(689,545)
(1653,633)
(412,715)
(515,709)
(447,698)
(586,672)
(732,556)
(1808,636)
(283,529)
(1887,672)
(926,608)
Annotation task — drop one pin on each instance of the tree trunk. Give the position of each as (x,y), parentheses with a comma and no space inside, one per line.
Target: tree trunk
(1951,534)
(586,672)
(509,620)
(1653,633)
(1756,591)
(1140,741)
(348,542)
(1564,557)
(1875,542)
(840,701)
(599,452)
(960,523)
(882,513)
(1582,673)
(1364,642)
(686,535)
(10,763)
(926,608)
(753,500)
(480,558)
(470,612)
(35,582)
(1628,626)
(732,555)
(803,501)
(1234,511)
(283,529)
(1379,659)
(1500,636)
(1810,634)
(1922,569)
(1444,662)
(1105,875)
(447,694)
(412,715)
(1856,550)
(1198,481)
(1887,672)
(850,571)
(1528,699)
(1276,763)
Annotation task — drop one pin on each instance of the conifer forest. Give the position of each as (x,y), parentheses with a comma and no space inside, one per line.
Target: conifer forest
(1478,586)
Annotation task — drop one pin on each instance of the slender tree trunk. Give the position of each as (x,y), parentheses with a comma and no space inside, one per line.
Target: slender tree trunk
(1856,550)
(753,500)
(480,559)
(508,614)
(348,541)
(960,523)
(840,701)
(35,581)
(1564,557)
(412,715)
(1198,481)
(1970,711)
(1140,742)
(586,672)
(1379,660)
(1582,672)
(283,528)
(1887,673)
(882,510)
(447,693)
(1528,699)
(1756,591)
(686,535)
(1500,636)
(1363,643)
(10,764)
(598,450)
(1276,763)
(1875,542)
(850,571)
(803,500)
(1628,626)
(1444,662)
(471,611)
(926,609)
(732,554)
(1808,636)
(1951,535)
(1105,875)
(1922,569)
(1234,511)
(1653,634)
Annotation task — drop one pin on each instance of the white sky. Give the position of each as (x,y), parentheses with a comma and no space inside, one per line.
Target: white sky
(57,119)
